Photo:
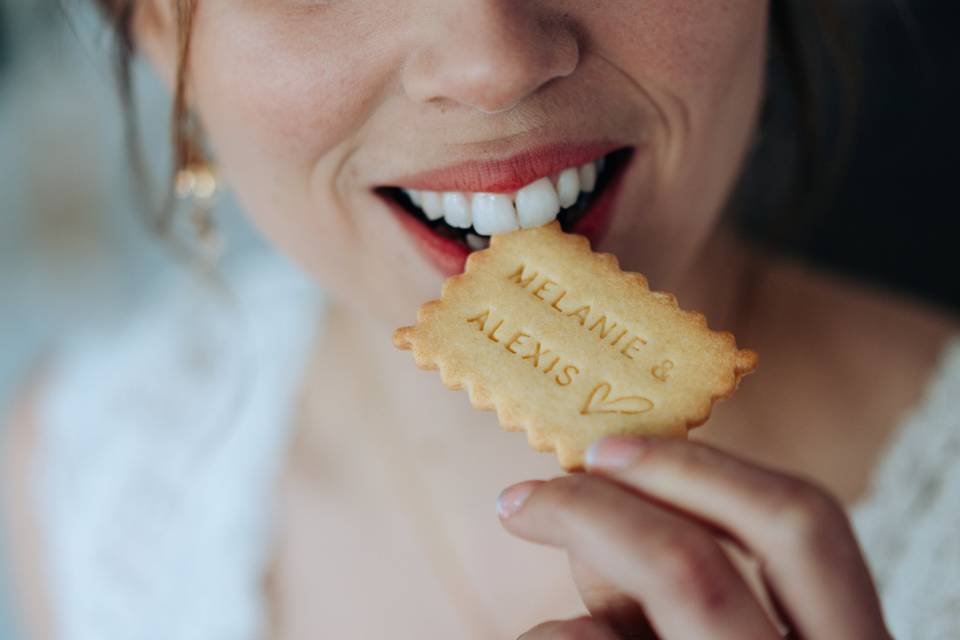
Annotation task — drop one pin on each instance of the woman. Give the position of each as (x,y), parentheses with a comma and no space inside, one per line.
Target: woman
(330,121)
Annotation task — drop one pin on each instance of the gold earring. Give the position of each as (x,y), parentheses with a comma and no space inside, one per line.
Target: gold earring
(197,185)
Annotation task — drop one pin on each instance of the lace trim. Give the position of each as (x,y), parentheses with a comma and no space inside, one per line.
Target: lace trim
(909,518)
(160,443)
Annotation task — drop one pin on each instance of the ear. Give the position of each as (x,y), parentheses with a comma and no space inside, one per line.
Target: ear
(154,31)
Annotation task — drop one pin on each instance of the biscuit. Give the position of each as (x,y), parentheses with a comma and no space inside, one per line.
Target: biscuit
(569,348)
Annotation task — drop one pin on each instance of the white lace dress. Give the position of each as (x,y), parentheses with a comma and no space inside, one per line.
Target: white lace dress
(909,522)
(160,440)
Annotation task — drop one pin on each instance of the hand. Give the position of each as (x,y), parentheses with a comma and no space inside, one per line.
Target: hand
(643,528)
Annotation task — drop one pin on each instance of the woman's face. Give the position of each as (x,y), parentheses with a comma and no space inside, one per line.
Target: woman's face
(315,107)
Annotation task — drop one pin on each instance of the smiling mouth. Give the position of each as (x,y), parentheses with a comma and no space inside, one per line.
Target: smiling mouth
(469,219)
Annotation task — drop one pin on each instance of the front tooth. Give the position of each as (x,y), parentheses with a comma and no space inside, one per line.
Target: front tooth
(588,177)
(568,187)
(537,204)
(456,210)
(493,213)
(432,204)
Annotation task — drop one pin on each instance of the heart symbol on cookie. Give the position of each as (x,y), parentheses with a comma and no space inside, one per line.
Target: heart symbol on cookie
(599,401)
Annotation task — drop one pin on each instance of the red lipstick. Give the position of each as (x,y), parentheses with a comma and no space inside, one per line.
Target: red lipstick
(449,255)
(511,174)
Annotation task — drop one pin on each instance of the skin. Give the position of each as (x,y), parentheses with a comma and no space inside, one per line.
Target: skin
(309,105)
(661,507)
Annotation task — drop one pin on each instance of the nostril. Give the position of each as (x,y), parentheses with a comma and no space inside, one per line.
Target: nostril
(490,60)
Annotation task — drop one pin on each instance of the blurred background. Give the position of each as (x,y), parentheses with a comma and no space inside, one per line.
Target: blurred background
(74,252)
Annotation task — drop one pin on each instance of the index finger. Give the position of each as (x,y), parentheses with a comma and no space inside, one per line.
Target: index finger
(605,601)
(799,534)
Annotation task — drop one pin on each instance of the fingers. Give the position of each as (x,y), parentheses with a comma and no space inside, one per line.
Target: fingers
(800,535)
(584,628)
(672,566)
(606,602)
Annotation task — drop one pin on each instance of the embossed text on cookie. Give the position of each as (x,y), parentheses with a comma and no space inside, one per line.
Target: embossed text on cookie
(598,323)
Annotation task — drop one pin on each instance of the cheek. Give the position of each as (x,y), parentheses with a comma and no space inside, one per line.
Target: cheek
(279,90)
(692,56)
(701,63)
(687,44)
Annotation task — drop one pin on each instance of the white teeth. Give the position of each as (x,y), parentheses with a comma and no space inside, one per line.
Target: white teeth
(537,204)
(568,187)
(588,177)
(456,210)
(493,213)
(432,204)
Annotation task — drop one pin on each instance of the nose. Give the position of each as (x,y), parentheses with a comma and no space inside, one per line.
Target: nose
(487,54)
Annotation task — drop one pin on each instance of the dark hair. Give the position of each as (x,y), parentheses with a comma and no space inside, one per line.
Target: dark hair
(806,129)
(184,127)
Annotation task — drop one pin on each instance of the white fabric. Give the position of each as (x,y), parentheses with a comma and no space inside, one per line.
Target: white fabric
(160,442)
(909,523)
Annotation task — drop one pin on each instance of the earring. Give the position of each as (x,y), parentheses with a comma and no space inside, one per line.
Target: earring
(197,185)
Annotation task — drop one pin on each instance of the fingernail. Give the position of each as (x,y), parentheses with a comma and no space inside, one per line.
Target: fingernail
(615,453)
(512,498)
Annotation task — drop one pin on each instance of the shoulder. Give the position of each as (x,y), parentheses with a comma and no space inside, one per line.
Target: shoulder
(841,363)
(837,318)
(857,308)
(18,510)
(902,355)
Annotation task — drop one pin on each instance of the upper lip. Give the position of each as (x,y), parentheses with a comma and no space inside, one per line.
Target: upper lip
(508,174)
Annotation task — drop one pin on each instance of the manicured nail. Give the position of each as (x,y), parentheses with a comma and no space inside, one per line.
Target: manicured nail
(512,498)
(615,453)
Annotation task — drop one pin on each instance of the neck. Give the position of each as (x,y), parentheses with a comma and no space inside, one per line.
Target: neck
(719,283)
(366,383)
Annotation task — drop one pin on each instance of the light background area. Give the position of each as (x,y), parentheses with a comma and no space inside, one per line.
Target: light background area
(74,248)
(74,251)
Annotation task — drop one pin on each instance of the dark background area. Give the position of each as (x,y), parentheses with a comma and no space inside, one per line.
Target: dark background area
(897,218)
(894,219)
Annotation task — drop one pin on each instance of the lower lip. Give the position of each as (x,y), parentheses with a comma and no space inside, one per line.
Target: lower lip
(450,256)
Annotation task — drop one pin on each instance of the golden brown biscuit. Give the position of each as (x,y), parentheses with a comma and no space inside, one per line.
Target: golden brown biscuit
(563,344)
